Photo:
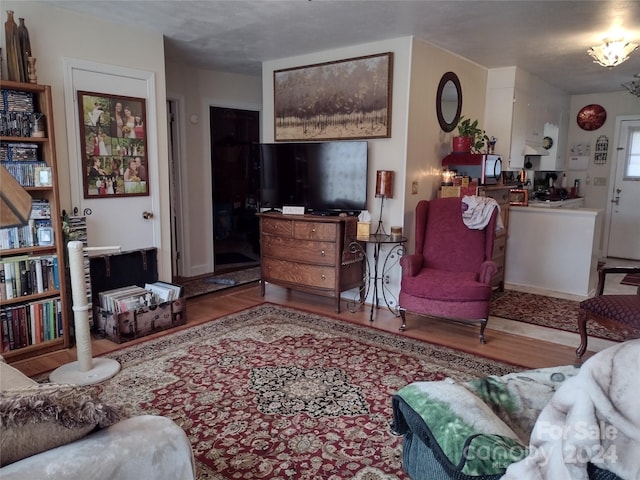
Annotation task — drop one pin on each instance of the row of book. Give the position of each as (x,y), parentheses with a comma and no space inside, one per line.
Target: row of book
(18,152)
(30,235)
(26,173)
(17,101)
(27,275)
(17,124)
(30,324)
(133,297)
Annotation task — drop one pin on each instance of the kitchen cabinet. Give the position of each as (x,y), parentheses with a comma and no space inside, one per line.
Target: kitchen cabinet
(517,107)
(310,253)
(33,291)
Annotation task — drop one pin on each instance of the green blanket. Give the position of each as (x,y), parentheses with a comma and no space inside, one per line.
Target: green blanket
(478,428)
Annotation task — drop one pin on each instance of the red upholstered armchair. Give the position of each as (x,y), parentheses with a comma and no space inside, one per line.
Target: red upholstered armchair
(449,275)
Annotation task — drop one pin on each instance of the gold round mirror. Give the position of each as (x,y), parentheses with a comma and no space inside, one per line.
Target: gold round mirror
(449,101)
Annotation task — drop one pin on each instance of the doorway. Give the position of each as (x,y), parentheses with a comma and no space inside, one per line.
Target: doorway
(235,172)
(624,217)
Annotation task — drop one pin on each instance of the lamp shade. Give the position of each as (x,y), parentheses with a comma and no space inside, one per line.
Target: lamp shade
(384,183)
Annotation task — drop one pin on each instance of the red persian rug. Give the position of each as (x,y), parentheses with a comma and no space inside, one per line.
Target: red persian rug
(273,392)
(547,312)
(631,279)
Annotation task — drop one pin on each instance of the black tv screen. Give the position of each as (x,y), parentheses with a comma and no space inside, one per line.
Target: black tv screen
(323,177)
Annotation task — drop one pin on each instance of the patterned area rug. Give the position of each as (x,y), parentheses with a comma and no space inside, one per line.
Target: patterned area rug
(631,279)
(213,283)
(546,311)
(274,392)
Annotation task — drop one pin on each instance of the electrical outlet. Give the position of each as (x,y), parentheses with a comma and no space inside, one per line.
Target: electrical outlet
(414,188)
(599,181)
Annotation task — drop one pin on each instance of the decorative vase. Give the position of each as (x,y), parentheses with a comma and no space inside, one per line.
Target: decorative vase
(13,49)
(461,144)
(25,50)
(31,67)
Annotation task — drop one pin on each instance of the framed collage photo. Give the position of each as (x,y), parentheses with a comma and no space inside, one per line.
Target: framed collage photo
(114,145)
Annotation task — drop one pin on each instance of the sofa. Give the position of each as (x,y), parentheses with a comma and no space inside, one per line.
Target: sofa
(64,432)
(554,423)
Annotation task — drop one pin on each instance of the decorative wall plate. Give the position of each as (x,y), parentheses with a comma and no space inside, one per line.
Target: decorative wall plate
(591,117)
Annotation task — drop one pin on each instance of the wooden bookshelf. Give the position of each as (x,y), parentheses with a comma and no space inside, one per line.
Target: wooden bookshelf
(28,299)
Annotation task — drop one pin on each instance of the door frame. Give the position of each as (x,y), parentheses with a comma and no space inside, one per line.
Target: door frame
(612,177)
(178,203)
(207,223)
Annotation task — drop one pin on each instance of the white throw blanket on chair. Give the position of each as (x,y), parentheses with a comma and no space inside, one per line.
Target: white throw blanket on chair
(478,211)
(594,417)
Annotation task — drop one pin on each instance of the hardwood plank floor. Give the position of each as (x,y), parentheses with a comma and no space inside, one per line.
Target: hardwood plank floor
(519,350)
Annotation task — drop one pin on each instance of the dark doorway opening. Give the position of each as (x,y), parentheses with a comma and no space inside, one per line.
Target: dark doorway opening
(235,171)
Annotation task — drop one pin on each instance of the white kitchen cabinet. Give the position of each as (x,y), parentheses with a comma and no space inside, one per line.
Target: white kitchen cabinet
(518,106)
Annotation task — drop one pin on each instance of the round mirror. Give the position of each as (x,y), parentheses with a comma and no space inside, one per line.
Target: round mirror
(449,101)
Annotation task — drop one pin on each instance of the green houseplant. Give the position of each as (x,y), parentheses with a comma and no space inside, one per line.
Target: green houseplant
(470,137)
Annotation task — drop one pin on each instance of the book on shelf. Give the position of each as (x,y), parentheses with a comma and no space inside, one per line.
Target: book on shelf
(27,275)
(30,324)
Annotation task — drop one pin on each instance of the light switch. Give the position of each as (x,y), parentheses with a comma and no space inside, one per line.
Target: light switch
(414,188)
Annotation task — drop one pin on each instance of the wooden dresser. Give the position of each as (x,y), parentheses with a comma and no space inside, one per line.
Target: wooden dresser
(307,253)
(500,193)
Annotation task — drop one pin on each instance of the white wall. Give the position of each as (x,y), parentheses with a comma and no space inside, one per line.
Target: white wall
(55,34)
(427,144)
(196,90)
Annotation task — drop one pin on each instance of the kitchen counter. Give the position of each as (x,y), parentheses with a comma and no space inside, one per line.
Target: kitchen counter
(577,202)
(553,250)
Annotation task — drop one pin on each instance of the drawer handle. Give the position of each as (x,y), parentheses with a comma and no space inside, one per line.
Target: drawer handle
(323,277)
(322,253)
(313,230)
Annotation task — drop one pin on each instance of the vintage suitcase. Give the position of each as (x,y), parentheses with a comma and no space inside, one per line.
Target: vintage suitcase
(119,270)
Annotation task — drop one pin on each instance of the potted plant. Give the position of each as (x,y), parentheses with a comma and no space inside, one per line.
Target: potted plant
(470,137)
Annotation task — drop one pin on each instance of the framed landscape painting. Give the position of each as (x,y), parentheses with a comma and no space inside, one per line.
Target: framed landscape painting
(113,145)
(346,99)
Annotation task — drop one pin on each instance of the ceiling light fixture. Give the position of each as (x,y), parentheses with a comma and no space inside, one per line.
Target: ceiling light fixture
(612,52)
(633,86)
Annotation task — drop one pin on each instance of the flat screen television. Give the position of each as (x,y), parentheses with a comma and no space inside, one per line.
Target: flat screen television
(326,178)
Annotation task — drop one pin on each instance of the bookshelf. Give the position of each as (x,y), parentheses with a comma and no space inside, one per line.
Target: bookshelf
(33,290)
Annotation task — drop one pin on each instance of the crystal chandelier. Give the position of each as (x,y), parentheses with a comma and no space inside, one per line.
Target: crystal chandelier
(612,52)
(633,86)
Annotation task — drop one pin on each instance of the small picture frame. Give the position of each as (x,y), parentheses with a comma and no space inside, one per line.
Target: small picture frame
(519,197)
(45,236)
(43,177)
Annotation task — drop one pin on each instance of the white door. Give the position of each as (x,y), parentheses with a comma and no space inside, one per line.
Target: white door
(129,222)
(624,232)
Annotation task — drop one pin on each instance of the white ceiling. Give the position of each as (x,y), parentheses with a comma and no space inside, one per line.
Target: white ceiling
(547,38)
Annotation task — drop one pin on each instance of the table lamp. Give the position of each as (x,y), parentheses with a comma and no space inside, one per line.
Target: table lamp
(384,189)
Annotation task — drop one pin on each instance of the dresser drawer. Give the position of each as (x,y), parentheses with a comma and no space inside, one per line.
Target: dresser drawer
(315,231)
(321,253)
(302,274)
(276,226)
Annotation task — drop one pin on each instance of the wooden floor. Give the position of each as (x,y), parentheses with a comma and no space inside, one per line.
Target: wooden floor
(519,350)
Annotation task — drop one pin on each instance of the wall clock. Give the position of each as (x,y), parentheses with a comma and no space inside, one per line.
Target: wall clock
(591,117)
